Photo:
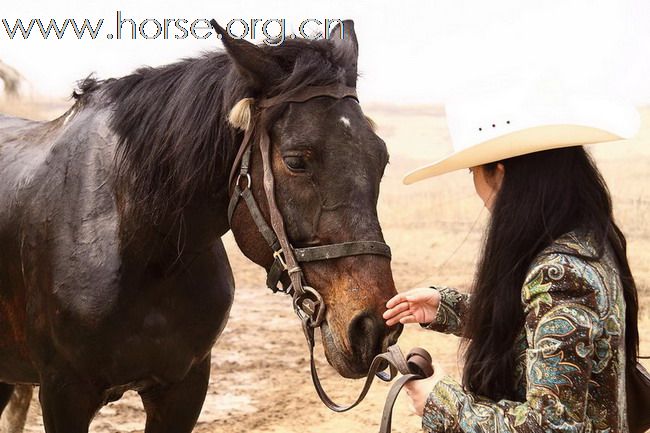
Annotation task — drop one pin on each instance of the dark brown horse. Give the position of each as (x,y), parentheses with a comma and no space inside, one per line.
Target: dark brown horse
(112,272)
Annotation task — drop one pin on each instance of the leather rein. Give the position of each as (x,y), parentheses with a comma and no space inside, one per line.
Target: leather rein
(307,302)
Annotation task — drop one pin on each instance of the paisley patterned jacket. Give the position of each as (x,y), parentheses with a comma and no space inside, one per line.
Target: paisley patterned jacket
(571,367)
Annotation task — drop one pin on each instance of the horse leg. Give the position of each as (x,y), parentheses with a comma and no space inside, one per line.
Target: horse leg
(15,416)
(68,405)
(6,391)
(175,408)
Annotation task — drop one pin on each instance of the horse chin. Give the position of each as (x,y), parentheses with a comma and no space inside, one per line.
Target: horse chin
(344,365)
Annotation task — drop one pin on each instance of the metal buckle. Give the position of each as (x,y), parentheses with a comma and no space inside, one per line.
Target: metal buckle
(278,256)
(248,180)
(310,307)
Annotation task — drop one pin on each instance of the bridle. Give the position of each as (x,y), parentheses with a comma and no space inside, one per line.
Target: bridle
(307,302)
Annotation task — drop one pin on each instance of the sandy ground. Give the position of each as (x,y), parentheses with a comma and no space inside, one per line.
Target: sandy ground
(260,374)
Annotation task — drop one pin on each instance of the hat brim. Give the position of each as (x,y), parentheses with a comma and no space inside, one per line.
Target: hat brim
(517,143)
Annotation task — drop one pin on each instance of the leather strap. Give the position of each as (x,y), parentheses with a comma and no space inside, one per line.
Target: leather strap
(386,424)
(274,275)
(419,366)
(266,231)
(345,249)
(244,148)
(304,94)
(277,222)
(309,254)
(416,365)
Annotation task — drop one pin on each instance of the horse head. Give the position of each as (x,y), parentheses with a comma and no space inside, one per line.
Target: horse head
(326,162)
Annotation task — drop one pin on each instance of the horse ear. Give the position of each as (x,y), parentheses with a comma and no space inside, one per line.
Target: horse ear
(346,49)
(251,60)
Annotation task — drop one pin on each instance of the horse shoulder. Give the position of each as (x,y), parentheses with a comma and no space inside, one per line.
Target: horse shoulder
(70,228)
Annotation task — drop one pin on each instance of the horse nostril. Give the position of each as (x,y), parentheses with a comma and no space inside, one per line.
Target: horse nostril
(366,334)
(392,336)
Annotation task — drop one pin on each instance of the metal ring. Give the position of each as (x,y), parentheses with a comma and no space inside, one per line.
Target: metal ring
(248,180)
(319,306)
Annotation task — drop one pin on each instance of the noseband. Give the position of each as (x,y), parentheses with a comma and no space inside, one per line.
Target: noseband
(307,302)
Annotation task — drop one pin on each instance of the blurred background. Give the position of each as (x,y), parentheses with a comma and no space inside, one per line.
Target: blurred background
(413,57)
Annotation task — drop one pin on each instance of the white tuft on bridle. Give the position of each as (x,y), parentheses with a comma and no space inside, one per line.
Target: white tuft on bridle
(240,115)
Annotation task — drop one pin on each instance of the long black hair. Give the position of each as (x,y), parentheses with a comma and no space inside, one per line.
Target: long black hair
(542,196)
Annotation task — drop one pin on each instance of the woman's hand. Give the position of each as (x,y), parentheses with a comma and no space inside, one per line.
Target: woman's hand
(418,390)
(418,305)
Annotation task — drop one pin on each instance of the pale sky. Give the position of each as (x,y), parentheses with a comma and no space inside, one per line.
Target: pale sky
(410,51)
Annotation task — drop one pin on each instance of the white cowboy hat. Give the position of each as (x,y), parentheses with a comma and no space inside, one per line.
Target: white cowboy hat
(521,119)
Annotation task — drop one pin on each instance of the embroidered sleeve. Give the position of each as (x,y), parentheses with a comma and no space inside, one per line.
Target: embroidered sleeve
(449,317)
(561,328)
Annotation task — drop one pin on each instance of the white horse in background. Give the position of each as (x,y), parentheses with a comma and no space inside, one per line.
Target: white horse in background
(15,415)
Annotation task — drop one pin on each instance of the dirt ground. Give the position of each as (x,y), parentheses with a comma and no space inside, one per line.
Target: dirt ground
(260,374)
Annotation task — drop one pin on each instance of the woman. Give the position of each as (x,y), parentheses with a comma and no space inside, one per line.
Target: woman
(552,316)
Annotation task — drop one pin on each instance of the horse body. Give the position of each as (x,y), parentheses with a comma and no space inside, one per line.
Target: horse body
(68,282)
(113,275)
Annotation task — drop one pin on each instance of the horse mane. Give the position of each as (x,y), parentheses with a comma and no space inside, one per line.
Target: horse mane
(174,140)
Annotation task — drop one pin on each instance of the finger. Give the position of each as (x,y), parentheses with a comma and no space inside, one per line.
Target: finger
(395,300)
(408,319)
(397,318)
(396,309)
(421,296)
(402,306)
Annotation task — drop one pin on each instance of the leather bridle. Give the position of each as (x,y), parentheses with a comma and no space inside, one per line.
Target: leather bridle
(286,259)
(307,302)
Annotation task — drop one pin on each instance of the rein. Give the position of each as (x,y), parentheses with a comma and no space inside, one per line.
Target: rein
(307,302)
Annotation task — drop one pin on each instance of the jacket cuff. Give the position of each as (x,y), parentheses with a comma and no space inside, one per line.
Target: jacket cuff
(448,315)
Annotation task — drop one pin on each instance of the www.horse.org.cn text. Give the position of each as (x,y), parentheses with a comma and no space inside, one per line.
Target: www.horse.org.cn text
(273,31)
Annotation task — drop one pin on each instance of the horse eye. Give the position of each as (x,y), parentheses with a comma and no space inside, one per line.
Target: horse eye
(295,163)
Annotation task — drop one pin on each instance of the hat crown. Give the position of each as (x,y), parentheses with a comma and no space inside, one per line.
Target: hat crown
(506,117)
(504,107)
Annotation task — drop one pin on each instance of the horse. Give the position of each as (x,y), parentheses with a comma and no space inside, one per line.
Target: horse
(113,275)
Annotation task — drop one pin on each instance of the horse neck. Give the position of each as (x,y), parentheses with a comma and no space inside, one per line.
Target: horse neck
(166,237)
(203,155)
(164,240)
